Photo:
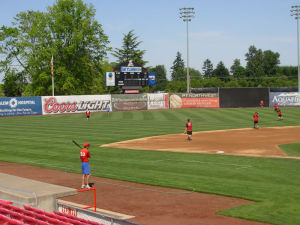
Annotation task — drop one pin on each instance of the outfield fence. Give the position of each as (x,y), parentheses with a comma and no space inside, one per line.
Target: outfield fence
(200,98)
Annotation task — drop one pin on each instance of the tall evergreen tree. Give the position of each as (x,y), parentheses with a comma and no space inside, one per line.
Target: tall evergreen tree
(207,69)
(177,69)
(221,72)
(130,50)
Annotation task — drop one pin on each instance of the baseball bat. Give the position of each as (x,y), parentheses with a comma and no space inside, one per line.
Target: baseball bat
(75,143)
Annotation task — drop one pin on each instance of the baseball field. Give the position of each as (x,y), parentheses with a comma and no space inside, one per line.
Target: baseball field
(272,182)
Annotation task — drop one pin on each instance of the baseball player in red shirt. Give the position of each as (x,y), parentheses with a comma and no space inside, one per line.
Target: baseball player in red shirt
(188,129)
(255,120)
(261,103)
(276,107)
(279,114)
(85,168)
(88,114)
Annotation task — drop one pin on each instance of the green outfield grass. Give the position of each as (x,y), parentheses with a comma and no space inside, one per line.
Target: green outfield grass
(46,141)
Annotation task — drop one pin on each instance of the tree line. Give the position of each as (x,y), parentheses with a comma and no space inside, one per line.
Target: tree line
(69,32)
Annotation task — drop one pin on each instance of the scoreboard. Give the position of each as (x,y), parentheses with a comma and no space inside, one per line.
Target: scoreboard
(131,79)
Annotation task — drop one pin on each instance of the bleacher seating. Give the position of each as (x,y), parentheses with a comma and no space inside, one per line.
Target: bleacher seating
(4,220)
(10,214)
(74,217)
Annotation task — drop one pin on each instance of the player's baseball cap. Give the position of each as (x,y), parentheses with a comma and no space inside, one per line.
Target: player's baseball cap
(86,145)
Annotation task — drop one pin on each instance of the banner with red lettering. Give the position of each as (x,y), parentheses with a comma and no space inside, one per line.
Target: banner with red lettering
(197,100)
(75,104)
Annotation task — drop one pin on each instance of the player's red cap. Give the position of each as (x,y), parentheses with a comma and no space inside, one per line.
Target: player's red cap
(86,145)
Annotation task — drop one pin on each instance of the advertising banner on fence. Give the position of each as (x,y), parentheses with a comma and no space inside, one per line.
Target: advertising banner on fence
(285,98)
(129,102)
(75,104)
(158,101)
(191,100)
(20,106)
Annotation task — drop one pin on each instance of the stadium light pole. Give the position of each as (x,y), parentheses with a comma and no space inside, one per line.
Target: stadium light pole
(295,12)
(187,14)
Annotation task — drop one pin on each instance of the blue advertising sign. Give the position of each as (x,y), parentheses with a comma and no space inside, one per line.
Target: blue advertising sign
(151,78)
(131,69)
(20,106)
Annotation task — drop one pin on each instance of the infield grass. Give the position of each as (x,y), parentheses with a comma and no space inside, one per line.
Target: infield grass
(46,141)
(292,149)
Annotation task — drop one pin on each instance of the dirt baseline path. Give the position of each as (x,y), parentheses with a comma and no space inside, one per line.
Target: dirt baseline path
(261,142)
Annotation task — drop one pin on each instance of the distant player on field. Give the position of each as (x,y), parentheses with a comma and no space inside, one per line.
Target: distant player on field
(261,103)
(85,168)
(279,114)
(275,107)
(88,114)
(107,110)
(188,129)
(255,120)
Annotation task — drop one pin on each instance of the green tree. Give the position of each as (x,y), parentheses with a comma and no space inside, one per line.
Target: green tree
(130,50)
(270,62)
(69,32)
(207,69)
(161,77)
(12,85)
(289,71)
(177,69)
(254,58)
(236,69)
(221,72)
(194,74)
(176,86)
(1,91)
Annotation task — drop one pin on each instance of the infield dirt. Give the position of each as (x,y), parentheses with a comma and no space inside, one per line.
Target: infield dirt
(262,142)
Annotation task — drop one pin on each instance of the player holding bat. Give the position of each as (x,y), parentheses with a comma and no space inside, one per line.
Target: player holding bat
(85,168)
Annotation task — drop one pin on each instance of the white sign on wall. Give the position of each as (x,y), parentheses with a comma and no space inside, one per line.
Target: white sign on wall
(75,104)
(110,79)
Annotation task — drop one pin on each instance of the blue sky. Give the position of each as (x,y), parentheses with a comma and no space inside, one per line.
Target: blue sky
(222,30)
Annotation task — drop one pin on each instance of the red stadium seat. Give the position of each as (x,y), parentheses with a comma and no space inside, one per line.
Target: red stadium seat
(6,206)
(15,222)
(4,211)
(5,202)
(33,209)
(4,220)
(28,213)
(16,216)
(77,218)
(30,220)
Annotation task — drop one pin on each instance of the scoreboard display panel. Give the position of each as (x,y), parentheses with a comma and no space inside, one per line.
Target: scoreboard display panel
(131,79)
